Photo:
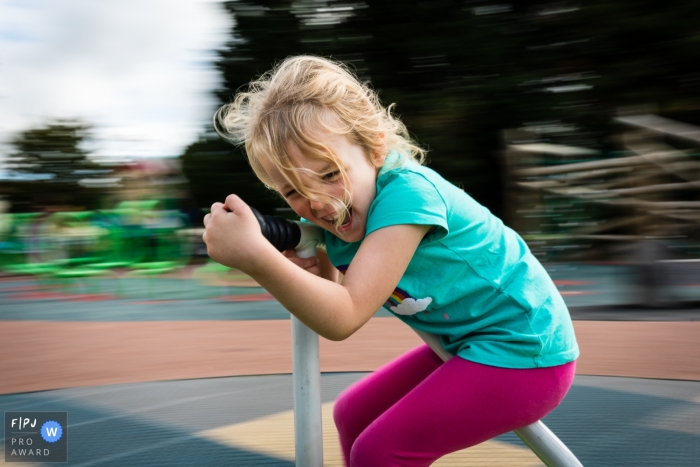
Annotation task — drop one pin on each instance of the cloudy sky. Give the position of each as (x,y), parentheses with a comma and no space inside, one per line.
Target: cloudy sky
(139,71)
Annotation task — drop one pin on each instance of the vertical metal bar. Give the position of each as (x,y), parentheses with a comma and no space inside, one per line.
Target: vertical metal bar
(306,378)
(306,372)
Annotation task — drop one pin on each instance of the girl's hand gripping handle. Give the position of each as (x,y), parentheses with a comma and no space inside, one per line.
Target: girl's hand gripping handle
(287,235)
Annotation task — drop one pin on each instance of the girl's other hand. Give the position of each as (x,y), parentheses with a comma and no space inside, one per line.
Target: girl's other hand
(308,264)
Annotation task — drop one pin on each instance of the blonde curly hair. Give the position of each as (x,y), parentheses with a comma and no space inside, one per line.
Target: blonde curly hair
(299,101)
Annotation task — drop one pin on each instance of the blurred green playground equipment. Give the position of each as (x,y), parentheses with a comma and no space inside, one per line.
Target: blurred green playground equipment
(76,244)
(21,246)
(157,235)
(134,238)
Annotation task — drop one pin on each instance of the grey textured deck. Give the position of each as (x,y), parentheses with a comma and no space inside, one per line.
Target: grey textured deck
(605,421)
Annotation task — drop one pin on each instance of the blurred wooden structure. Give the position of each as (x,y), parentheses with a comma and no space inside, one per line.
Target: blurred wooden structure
(640,205)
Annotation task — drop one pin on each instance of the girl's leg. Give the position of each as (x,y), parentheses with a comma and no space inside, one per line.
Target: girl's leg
(364,401)
(460,404)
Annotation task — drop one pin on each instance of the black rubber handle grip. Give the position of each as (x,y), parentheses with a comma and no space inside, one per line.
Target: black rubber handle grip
(283,234)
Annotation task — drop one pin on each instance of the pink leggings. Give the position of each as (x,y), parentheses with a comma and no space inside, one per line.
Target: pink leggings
(417,409)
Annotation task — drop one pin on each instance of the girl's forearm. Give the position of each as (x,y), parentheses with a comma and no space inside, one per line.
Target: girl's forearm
(334,310)
(323,305)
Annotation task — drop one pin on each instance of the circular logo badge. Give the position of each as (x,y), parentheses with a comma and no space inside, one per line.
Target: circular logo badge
(51,431)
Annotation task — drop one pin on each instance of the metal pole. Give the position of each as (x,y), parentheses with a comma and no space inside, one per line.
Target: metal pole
(306,374)
(306,368)
(547,446)
(537,436)
(306,378)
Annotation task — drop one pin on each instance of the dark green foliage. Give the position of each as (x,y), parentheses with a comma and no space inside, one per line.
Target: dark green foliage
(216,169)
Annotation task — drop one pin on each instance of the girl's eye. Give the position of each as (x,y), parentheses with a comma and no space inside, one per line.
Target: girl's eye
(330,176)
(289,193)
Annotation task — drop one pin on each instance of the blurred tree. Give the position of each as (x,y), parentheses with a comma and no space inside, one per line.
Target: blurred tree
(265,32)
(47,166)
(216,169)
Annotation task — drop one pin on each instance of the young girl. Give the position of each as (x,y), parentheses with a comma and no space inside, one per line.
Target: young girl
(404,238)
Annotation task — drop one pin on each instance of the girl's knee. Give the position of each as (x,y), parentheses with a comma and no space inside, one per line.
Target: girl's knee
(345,416)
(367,453)
(340,408)
(339,416)
(376,451)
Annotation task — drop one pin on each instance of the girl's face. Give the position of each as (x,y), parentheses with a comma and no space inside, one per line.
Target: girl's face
(362,177)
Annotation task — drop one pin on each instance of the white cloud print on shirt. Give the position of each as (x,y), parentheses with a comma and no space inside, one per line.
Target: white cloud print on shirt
(411,306)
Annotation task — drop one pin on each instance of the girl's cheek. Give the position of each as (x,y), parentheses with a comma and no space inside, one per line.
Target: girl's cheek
(297,207)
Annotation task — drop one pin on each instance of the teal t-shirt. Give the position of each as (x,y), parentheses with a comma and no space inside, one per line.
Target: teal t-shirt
(472,281)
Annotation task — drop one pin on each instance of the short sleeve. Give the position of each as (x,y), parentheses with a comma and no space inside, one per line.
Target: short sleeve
(407,197)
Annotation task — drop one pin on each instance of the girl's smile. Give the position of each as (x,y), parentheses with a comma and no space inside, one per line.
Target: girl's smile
(324,178)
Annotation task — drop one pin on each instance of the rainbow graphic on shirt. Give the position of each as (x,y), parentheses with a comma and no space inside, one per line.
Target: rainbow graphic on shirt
(397,297)
(401,303)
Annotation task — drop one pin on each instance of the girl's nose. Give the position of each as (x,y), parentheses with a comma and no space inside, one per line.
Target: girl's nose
(316,205)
